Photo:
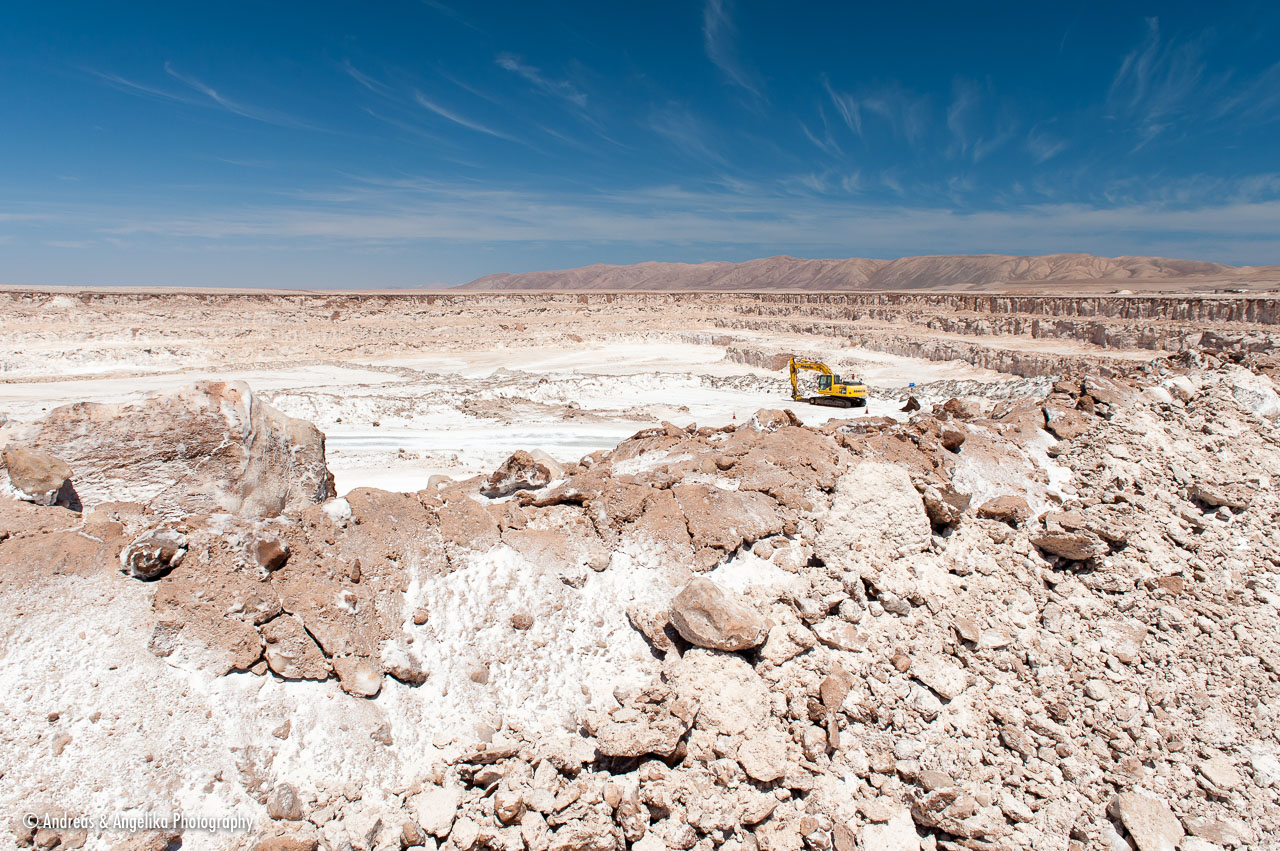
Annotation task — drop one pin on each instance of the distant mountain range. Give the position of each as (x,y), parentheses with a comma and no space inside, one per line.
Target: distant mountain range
(859,273)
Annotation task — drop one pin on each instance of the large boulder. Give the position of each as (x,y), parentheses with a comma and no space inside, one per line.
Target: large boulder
(212,447)
(707,616)
(522,471)
(875,517)
(38,476)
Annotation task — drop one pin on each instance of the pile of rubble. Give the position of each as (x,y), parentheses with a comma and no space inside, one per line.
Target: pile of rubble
(1022,623)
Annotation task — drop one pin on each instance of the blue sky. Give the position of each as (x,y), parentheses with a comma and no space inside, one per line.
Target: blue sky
(408,143)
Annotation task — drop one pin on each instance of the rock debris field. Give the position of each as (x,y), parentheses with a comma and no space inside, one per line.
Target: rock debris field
(1032,614)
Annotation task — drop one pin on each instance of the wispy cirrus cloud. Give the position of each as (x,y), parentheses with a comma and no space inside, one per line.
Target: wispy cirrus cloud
(1001,132)
(1165,83)
(825,142)
(456,118)
(976,132)
(562,89)
(905,113)
(128,86)
(1044,146)
(405,126)
(365,80)
(679,125)
(204,96)
(852,182)
(1161,83)
(268,116)
(719,36)
(847,106)
(1255,101)
(961,114)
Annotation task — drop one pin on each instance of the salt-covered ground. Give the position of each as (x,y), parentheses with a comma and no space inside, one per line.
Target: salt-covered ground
(392,423)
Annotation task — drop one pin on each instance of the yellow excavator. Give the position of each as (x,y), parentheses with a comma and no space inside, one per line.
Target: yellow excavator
(833,390)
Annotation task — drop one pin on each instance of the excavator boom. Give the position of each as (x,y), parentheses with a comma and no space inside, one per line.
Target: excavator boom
(801,364)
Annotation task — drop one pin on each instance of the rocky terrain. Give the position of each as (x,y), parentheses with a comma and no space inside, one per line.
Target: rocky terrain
(964,271)
(1037,614)
(571,571)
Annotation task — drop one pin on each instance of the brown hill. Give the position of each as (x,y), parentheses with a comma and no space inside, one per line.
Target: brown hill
(858,273)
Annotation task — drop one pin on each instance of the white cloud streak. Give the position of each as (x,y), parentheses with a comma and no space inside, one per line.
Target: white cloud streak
(365,80)
(960,114)
(209,98)
(235,107)
(461,121)
(847,106)
(1157,83)
(826,142)
(1044,146)
(1162,84)
(449,12)
(905,113)
(719,37)
(562,89)
(685,130)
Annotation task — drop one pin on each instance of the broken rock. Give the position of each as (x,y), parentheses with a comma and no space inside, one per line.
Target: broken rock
(943,504)
(945,678)
(38,476)
(952,438)
(1074,546)
(270,552)
(290,651)
(435,809)
(1009,508)
(361,677)
(896,834)
(522,471)
(1066,423)
(1148,819)
(876,515)
(652,733)
(212,447)
(154,553)
(708,616)
(764,756)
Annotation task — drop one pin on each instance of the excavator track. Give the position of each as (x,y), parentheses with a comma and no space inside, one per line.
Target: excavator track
(828,402)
